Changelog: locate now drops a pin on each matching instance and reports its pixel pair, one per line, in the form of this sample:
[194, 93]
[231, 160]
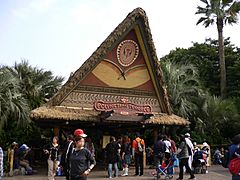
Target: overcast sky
[59, 35]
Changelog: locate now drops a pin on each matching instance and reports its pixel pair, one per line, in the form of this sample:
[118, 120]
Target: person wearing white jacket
[191, 148]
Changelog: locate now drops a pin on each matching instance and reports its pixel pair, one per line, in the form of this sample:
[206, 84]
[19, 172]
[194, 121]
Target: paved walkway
[215, 173]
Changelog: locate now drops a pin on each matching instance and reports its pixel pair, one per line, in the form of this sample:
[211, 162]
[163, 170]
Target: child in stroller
[166, 169]
[199, 163]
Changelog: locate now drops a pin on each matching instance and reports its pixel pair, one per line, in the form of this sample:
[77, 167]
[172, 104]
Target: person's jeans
[115, 169]
[184, 162]
[138, 163]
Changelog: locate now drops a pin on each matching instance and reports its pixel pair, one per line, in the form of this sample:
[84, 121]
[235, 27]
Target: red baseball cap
[79, 132]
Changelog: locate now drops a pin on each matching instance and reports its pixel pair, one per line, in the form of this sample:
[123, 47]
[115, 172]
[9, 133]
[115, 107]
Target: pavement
[216, 172]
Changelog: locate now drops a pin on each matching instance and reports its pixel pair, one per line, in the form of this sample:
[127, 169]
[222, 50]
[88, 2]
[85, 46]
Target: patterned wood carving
[115, 90]
[87, 99]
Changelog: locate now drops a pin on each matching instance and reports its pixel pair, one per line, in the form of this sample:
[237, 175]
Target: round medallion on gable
[127, 52]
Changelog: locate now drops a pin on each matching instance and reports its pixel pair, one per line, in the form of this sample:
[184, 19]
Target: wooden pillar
[144, 160]
[155, 134]
[56, 131]
[10, 161]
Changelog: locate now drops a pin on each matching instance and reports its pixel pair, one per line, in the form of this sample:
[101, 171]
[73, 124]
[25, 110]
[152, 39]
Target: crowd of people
[77, 157]
[120, 153]
[21, 159]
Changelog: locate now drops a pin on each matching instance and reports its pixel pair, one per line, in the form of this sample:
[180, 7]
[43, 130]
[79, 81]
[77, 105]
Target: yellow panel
[112, 76]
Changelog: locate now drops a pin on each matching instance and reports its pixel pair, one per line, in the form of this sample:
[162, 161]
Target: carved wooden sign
[123, 107]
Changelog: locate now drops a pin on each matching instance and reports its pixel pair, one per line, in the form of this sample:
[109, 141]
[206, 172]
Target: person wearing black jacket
[68, 148]
[52, 150]
[159, 150]
[112, 151]
[81, 161]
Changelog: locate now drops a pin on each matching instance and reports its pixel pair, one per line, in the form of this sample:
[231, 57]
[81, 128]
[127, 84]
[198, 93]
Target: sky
[59, 35]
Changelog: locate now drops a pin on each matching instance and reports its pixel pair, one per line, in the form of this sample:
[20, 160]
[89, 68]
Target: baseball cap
[187, 135]
[79, 132]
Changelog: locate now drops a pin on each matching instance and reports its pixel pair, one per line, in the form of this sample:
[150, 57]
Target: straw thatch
[64, 113]
[165, 119]
[80, 114]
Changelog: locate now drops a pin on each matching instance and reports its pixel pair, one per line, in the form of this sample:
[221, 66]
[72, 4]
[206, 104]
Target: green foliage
[12, 104]
[183, 85]
[23, 88]
[212, 119]
[204, 56]
[219, 119]
[37, 84]
[222, 12]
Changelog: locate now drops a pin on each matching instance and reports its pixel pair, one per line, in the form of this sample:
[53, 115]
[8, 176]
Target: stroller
[199, 163]
[166, 169]
[217, 157]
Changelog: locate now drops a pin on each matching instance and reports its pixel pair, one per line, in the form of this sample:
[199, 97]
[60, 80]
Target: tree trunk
[221, 57]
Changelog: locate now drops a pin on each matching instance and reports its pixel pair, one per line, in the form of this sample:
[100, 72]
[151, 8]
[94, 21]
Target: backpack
[139, 146]
[112, 149]
[234, 166]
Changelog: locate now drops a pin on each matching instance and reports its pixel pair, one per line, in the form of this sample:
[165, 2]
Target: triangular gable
[145, 68]
[123, 67]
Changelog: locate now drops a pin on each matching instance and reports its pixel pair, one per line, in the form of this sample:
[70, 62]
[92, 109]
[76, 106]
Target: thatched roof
[136, 17]
[64, 113]
[91, 115]
[165, 119]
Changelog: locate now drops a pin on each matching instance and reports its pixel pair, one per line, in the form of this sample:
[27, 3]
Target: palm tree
[220, 118]
[12, 103]
[37, 84]
[183, 87]
[221, 12]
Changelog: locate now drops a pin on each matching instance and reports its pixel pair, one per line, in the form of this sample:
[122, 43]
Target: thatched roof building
[121, 82]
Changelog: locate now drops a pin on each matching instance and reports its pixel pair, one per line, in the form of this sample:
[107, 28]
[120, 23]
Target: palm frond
[231, 20]
[205, 1]
[182, 85]
[201, 10]
[201, 20]
[13, 105]
[208, 22]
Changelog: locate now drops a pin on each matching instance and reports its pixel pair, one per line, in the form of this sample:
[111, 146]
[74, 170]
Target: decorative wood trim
[87, 100]
[117, 91]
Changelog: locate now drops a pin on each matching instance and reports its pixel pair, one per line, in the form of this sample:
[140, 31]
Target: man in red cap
[79, 132]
